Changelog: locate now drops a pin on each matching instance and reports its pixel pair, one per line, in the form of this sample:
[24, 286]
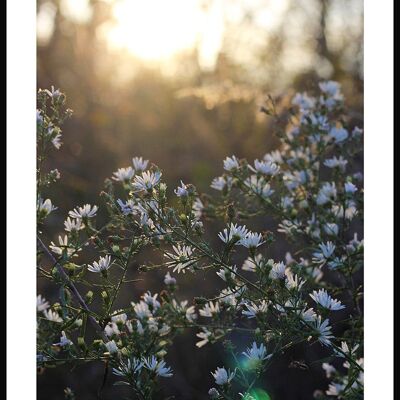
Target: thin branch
[74, 291]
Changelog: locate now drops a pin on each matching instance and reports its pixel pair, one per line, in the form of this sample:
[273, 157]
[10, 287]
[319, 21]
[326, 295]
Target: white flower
[181, 191]
[86, 211]
[52, 316]
[286, 202]
[56, 141]
[274, 156]
[204, 336]
[293, 281]
[317, 120]
[351, 211]
[198, 208]
[210, 309]
[278, 271]
[235, 233]
[73, 225]
[253, 309]
[355, 244]
[335, 389]
[162, 370]
[64, 341]
[228, 296]
[258, 185]
[219, 183]
[296, 178]
[181, 258]
[188, 312]
[323, 330]
[331, 229]
[169, 280]
[103, 264]
[151, 300]
[54, 93]
[213, 393]
[336, 262]
[119, 318]
[222, 377]
[252, 240]
[325, 300]
[147, 181]
[128, 207]
[250, 264]
[129, 326]
[338, 134]
[336, 163]
[346, 350]
[331, 88]
[152, 324]
[164, 330]
[46, 207]
[139, 164]
[39, 117]
[329, 369]
[256, 355]
[350, 187]
[158, 367]
[326, 193]
[142, 310]
[123, 174]
[139, 328]
[265, 167]
[308, 315]
[112, 329]
[111, 347]
[231, 163]
[63, 246]
[131, 367]
[303, 101]
[326, 251]
[225, 274]
[41, 303]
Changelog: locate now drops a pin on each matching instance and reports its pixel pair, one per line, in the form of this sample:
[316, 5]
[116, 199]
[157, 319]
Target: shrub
[317, 206]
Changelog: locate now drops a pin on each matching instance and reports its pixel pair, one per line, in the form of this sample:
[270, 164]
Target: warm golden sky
[156, 30]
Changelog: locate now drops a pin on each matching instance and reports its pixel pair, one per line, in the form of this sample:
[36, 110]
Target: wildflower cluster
[308, 186]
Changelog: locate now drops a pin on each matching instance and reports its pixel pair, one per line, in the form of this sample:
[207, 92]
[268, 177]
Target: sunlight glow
[156, 30]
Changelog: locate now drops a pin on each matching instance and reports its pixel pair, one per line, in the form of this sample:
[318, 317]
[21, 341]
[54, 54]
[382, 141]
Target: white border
[378, 67]
[21, 274]
[21, 202]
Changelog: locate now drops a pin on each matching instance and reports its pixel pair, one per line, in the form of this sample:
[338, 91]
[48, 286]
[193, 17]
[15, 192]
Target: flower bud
[105, 297]
[125, 352]
[81, 343]
[79, 322]
[97, 343]
[89, 297]
[161, 353]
